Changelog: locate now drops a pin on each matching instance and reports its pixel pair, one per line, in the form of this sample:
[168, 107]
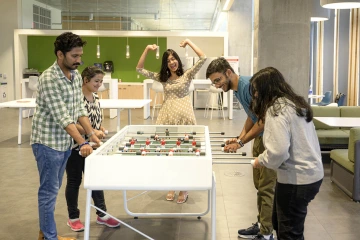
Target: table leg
[118, 120]
[129, 116]
[87, 214]
[231, 95]
[20, 124]
[213, 208]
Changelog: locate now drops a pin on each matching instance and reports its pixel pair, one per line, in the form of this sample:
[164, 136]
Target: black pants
[290, 209]
[74, 170]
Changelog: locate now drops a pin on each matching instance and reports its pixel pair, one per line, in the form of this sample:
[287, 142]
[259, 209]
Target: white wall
[27, 14]
[9, 18]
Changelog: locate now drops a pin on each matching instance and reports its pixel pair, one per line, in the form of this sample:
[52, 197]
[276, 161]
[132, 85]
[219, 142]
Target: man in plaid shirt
[59, 105]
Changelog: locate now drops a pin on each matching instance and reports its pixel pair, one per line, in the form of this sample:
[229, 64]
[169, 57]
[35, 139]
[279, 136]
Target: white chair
[33, 86]
[214, 101]
[158, 88]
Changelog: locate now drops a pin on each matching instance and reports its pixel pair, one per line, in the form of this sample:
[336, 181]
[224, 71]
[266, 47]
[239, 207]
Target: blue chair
[341, 101]
[326, 100]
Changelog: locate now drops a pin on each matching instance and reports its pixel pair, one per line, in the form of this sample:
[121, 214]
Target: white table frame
[112, 86]
[340, 121]
[118, 104]
[21, 104]
[198, 84]
[123, 173]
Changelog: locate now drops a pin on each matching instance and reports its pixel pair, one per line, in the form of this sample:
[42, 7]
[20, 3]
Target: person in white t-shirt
[291, 148]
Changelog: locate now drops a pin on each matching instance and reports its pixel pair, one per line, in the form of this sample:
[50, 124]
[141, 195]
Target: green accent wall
[41, 54]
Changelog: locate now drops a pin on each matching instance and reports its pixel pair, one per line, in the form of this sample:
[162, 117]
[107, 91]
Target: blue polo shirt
[244, 96]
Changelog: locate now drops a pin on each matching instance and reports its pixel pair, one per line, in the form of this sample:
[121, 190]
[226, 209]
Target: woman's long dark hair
[165, 71]
[270, 85]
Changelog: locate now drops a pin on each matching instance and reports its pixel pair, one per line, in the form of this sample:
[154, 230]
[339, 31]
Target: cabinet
[130, 91]
[135, 91]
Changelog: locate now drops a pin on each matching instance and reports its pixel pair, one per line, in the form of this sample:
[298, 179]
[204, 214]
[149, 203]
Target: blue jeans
[290, 209]
[51, 166]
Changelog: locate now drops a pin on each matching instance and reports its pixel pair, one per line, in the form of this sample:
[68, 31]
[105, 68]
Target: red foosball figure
[178, 143]
[143, 153]
[171, 152]
[132, 142]
[193, 143]
[147, 143]
[163, 142]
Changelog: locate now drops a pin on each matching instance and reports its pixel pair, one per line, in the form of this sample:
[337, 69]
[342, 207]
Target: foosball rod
[165, 138]
[159, 153]
[227, 154]
[193, 133]
[162, 149]
[167, 144]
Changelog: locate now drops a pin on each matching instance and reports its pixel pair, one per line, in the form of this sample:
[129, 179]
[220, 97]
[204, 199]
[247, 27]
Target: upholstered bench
[345, 166]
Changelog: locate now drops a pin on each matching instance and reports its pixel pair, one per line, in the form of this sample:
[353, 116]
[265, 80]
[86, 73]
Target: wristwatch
[240, 143]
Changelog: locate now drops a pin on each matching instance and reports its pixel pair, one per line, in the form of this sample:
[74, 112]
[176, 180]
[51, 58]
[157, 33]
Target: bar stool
[214, 101]
[33, 85]
[158, 88]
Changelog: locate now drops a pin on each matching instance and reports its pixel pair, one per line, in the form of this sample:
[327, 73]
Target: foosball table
[153, 157]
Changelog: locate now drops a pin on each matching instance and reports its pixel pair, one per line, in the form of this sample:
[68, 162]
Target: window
[41, 18]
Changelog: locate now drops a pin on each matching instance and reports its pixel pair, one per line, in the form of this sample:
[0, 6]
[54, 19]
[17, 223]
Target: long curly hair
[271, 86]
[165, 71]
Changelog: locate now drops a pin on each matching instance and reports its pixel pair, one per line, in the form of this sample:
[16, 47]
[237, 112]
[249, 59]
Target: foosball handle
[252, 162]
[91, 144]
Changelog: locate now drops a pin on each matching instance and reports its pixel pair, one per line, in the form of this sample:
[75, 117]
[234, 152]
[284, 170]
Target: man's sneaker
[250, 232]
[261, 237]
[75, 225]
[108, 221]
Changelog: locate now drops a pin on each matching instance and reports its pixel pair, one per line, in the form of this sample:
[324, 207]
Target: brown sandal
[182, 197]
[170, 196]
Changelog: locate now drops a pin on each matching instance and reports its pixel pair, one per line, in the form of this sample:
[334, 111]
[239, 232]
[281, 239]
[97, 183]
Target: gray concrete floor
[332, 215]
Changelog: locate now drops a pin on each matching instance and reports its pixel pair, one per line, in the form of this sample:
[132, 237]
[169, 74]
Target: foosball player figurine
[193, 143]
[147, 143]
[163, 142]
[197, 153]
[190, 150]
[157, 149]
[167, 132]
[171, 152]
[126, 149]
[186, 138]
[132, 142]
[143, 152]
[178, 143]
[156, 137]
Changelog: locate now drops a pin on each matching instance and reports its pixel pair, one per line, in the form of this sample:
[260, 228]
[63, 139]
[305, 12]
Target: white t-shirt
[291, 147]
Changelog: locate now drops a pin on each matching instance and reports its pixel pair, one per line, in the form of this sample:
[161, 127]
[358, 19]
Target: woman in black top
[92, 80]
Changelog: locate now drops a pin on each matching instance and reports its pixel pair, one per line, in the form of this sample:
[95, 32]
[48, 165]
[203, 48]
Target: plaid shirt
[59, 102]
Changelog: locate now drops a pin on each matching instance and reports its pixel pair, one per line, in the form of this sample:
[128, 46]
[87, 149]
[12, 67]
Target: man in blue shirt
[222, 76]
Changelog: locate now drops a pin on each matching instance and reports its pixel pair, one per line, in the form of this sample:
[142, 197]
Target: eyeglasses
[216, 81]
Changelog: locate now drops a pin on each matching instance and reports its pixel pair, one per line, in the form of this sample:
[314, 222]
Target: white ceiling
[172, 14]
